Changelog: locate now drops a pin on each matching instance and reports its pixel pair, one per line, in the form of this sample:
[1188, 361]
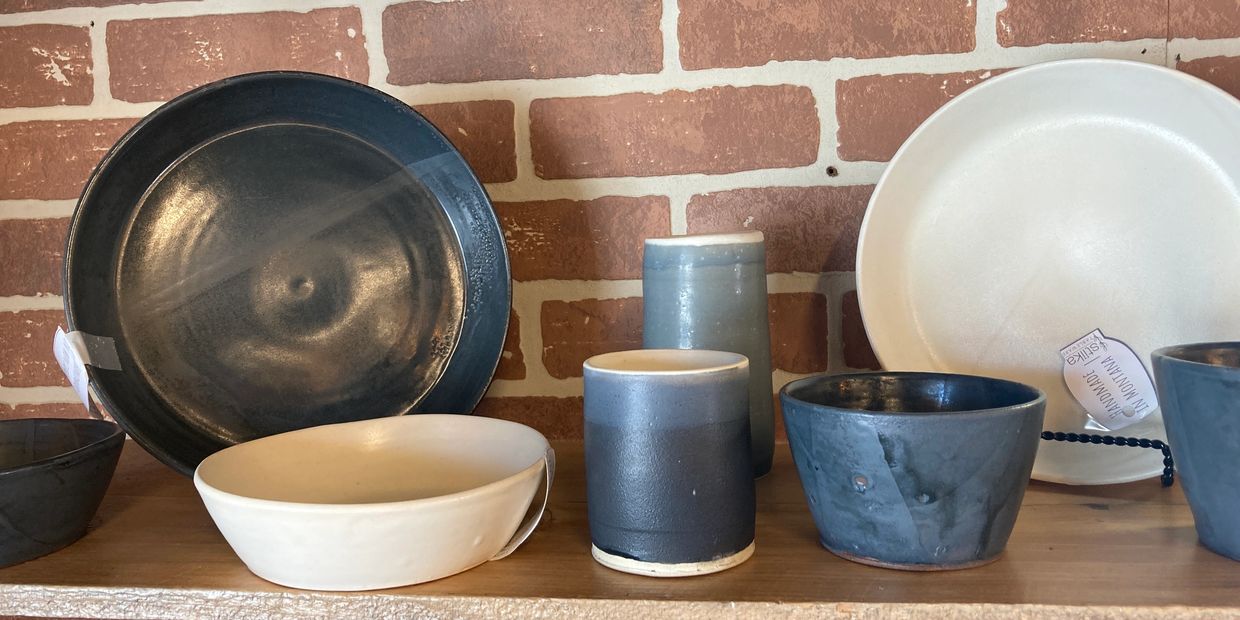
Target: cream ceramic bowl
[378, 503]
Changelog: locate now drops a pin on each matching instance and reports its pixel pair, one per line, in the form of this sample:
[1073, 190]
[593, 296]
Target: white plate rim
[984, 86]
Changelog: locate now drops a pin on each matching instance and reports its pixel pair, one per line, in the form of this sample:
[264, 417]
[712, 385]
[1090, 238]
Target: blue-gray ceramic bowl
[1199, 393]
[916, 471]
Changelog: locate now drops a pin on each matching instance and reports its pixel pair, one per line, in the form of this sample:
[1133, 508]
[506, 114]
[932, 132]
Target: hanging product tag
[1107, 378]
[74, 350]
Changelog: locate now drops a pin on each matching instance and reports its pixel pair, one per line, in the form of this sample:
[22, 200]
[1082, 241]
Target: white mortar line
[537, 291]
[524, 149]
[669, 26]
[985, 35]
[35, 209]
[851, 173]
[372, 30]
[37, 395]
[1193, 49]
[101, 72]
[18, 303]
[678, 202]
[83, 15]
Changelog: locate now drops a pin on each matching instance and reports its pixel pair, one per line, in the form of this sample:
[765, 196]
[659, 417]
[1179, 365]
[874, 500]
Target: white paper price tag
[1109, 381]
[71, 355]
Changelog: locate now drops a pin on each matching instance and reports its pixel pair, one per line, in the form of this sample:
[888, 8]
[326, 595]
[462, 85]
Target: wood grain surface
[1123, 550]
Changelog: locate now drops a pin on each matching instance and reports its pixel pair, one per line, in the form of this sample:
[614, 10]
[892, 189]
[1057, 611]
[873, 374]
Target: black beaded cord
[1168, 475]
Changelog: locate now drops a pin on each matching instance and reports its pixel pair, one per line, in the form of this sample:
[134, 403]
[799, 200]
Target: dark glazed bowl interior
[53, 475]
[1223, 354]
[911, 393]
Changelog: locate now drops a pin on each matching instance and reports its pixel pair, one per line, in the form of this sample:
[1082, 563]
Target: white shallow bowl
[378, 503]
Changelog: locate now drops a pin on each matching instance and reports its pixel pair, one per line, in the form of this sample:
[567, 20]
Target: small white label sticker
[1107, 378]
[72, 363]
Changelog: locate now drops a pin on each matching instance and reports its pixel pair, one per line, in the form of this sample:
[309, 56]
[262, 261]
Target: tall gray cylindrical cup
[670, 489]
[1199, 393]
[709, 292]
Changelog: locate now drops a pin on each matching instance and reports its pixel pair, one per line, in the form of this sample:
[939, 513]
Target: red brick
[798, 323]
[738, 33]
[555, 418]
[878, 112]
[157, 59]
[1035, 22]
[31, 255]
[512, 360]
[573, 331]
[22, 6]
[43, 410]
[45, 65]
[857, 351]
[1204, 19]
[26, 358]
[484, 133]
[712, 131]
[475, 41]
[1222, 71]
[51, 160]
[599, 239]
[809, 229]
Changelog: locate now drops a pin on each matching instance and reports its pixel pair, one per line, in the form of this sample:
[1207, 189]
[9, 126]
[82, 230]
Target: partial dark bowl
[915, 471]
[53, 474]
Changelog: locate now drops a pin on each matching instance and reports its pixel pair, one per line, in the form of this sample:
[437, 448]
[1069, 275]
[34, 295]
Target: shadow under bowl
[910, 470]
[53, 475]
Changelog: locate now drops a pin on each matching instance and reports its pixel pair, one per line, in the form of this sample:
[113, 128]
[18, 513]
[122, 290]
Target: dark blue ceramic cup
[669, 479]
[916, 471]
[1199, 393]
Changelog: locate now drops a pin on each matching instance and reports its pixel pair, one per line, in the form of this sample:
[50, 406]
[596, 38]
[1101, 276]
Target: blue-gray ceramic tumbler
[915, 471]
[1199, 393]
[709, 292]
[669, 483]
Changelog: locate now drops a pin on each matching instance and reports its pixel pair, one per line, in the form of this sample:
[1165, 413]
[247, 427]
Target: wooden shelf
[1124, 550]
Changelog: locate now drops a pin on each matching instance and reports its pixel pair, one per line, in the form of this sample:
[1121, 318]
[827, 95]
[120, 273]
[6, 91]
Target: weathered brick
[798, 324]
[1222, 71]
[31, 255]
[484, 133]
[573, 331]
[857, 350]
[22, 6]
[1204, 19]
[1035, 22]
[157, 59]
[26, 358]
[878, 112]
[520, 39]
[43, 410]
[809, 229]
[599, 239]
[512, 360]
[555, 418]
[738, 33]
[712, 131]
[45, 65]
[51, 160]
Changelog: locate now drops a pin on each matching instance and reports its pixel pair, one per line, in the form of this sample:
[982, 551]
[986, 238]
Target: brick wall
[594, 124]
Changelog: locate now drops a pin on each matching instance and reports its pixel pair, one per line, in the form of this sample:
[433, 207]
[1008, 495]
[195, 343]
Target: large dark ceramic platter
[283, 250]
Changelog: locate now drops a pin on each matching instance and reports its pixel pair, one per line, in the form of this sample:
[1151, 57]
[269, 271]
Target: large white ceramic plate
[1048, 202]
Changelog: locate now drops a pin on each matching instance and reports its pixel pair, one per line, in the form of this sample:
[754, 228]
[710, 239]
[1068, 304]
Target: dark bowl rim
[1039, 398]
[98, 444]
[1172, 353]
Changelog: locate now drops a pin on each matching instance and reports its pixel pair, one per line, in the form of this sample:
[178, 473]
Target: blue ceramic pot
[668, 478]
[917, 471]
[1199, 393]
[709, 292]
